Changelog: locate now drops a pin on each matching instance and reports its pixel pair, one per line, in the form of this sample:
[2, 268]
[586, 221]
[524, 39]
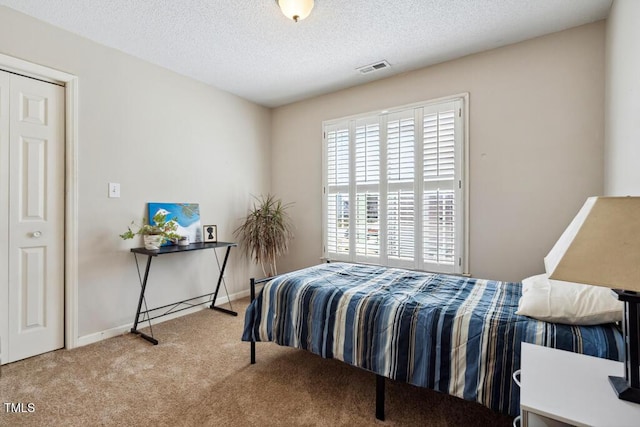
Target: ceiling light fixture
[296, 9]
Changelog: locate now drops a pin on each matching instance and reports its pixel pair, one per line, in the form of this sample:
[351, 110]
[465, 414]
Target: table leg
[380, 397]
[135, 330]
[215, 295]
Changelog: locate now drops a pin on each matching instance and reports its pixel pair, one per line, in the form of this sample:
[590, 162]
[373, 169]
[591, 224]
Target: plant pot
[152, 242]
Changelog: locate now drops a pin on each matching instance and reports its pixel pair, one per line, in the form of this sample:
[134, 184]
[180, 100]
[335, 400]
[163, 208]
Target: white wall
[536, 145]
[163, 137]
[622, 118]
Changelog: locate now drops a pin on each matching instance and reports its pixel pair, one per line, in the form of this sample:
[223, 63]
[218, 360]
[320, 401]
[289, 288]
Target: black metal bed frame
[380, 379]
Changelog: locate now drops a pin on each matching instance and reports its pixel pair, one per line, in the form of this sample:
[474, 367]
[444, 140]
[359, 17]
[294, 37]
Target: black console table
[154, 313]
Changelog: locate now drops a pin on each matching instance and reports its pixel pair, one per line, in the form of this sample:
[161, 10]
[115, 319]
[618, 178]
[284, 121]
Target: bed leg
[253, 343]
[380, 397]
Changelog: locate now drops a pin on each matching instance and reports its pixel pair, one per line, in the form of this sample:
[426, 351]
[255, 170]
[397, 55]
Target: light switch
[114, 190]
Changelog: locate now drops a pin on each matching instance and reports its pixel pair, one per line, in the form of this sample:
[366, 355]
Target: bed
[452, 334]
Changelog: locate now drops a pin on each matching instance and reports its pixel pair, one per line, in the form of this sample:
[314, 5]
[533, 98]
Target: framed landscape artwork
[187, 215]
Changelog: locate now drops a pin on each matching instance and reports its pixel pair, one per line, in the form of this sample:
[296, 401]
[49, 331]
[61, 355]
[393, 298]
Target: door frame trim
[70, 83]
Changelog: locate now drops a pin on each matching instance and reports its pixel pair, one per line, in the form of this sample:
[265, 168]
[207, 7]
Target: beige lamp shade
[296, 9]
[601, 246]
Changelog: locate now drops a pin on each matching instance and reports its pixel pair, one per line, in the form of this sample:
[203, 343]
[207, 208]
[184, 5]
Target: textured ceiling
[247, 47]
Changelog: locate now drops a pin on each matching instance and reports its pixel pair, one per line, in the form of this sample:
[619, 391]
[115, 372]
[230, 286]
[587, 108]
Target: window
[394, 187]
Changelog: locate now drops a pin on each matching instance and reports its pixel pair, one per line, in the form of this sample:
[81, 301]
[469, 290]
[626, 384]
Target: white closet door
[4, 215]
[36, 218]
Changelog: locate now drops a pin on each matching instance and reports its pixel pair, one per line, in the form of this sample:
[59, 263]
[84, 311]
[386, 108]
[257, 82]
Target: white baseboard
[124, 329]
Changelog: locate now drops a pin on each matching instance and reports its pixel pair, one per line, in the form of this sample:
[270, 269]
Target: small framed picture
[210, 233]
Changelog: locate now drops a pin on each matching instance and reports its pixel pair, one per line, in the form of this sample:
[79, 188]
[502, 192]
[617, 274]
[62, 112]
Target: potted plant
[154, 235]
[265, 233]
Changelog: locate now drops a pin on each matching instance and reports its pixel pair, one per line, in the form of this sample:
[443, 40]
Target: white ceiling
[247, 47]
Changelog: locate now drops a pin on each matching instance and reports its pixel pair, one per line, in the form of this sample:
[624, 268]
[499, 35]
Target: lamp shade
[601, 246]
[296, 9]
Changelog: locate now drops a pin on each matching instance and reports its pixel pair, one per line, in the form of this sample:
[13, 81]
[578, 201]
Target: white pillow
[570, 303]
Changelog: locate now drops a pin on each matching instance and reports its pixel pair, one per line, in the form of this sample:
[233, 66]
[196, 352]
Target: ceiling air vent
[366, 69]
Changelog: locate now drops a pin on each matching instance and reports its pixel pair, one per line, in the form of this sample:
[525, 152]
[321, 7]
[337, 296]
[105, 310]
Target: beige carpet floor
[199, 375]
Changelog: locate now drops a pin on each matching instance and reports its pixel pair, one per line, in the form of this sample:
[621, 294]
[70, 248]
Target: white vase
[152, 242]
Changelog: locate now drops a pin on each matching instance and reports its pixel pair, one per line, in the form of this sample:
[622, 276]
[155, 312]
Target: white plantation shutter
[402, 171]
[439, 227]
[367, 153]
[439, 219]
[401, 132]
[401, 225]
[400, 148]
[367, 197]
[337, 189]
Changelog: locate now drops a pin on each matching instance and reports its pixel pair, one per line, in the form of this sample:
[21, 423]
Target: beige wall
[163, 137]
[536, 145]
[622, 118]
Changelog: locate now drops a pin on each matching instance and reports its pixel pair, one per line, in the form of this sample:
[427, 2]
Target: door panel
[32, 289]
[36, 218]
[33, 178]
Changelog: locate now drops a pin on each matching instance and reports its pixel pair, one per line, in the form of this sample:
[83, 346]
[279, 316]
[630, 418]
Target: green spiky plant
[266, 232]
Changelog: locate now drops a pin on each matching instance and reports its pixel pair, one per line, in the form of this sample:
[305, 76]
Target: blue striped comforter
[456, 335]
